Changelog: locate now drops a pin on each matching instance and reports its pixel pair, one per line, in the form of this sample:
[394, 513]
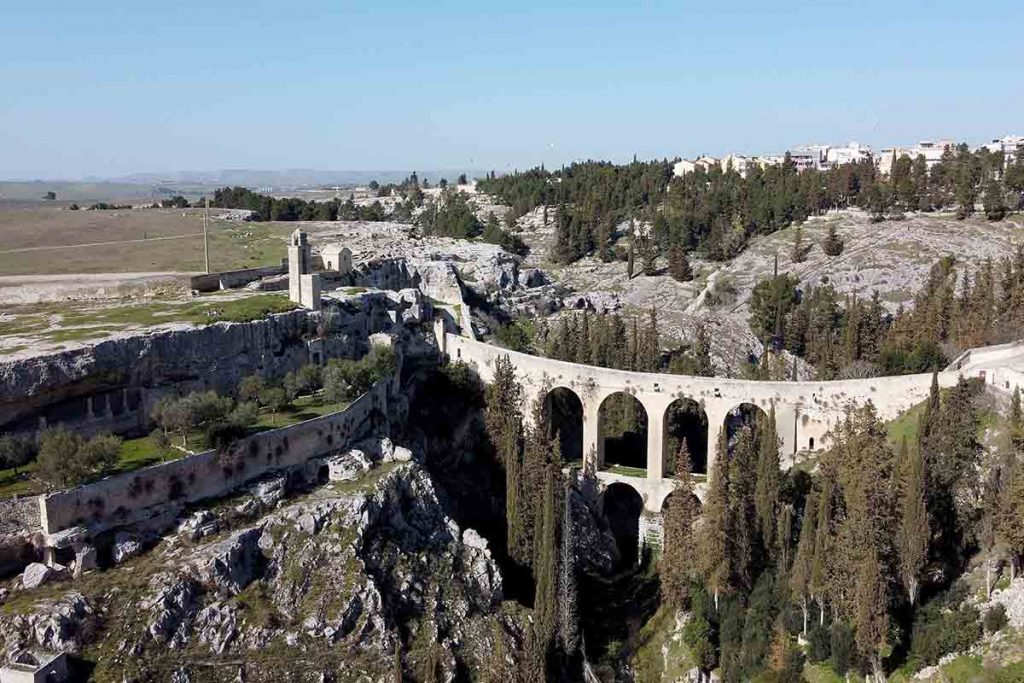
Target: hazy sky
[107, 88]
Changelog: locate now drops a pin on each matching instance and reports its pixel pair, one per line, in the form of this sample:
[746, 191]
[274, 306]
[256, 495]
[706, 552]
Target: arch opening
[622, 428]
[745, 415]
[563, 417]
[622, 506]
[686, 422]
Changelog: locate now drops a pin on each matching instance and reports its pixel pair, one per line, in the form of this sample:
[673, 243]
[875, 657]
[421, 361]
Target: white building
[931, 150]
[738, 163]
[682, 167]
[850, 153]
[1009, 145]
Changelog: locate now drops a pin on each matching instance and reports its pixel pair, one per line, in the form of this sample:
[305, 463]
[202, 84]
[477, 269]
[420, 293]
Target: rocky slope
[326, 586]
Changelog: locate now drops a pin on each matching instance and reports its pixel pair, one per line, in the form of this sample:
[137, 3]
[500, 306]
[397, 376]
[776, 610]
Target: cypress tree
[713, 540]
[766, 499]
[677, 555]
[800, 576]
[744, 534]
[568, 615]
[1010, 521]
[871, 617]
[799, 251]
[546, 562]
[913, 533]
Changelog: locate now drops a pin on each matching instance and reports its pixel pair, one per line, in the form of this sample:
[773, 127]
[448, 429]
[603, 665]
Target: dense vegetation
[848, 338]
[717, 211]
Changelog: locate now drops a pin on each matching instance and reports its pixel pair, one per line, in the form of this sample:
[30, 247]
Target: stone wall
[230, 279]
[160, 490]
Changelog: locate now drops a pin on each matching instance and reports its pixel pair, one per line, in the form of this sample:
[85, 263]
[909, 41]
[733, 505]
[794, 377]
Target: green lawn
[625, 470]
[304, 408]
[135, 453]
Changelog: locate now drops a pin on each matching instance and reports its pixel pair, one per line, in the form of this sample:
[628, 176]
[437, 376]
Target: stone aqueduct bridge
[805, 412]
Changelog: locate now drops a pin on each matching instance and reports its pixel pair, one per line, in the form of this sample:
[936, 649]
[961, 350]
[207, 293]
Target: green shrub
[995, 618]
[843, 648]
[820, 643]
[943, 625]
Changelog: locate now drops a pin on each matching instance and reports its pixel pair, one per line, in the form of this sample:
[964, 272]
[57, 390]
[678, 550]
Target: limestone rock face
[335, 570]
[62, 625]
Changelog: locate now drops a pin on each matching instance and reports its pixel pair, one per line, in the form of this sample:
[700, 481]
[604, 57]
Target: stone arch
[563, 417]
[622, 428]
[621, 507]
[685, 419]
[744, 414]
[676, 495]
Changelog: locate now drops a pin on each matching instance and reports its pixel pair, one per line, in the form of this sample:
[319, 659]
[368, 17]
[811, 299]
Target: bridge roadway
[805, 412]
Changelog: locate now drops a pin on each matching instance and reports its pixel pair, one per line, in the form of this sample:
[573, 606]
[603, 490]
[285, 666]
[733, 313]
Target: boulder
[200, 525]
[35, 575]
[348, 466]
[85, 560]
[126, 546]
[270, 492]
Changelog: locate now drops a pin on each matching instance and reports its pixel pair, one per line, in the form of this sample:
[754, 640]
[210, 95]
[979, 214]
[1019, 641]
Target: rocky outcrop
[351, 567]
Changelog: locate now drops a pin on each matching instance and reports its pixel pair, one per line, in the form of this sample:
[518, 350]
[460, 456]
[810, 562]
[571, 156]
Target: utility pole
[206, 236]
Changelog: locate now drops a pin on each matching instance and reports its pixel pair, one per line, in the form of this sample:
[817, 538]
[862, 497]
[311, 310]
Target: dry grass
[166, 240]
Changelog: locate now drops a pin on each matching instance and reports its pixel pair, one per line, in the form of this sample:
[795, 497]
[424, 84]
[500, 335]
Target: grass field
[123, 241]
[66, 322]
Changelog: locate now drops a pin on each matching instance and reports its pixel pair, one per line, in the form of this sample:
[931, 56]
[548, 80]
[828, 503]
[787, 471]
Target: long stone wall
[156, 491]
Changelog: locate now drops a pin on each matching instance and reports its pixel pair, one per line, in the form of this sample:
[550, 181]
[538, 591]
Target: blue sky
[108, 88]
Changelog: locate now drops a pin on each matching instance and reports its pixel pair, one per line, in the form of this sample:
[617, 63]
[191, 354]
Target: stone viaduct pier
[805, 412]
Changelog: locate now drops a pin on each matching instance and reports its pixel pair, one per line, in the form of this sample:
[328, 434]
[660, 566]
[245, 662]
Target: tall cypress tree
[546, 564]
[679, 550]
[912, 541]
[568, 614]
[713, 539]
[766, 499]
[744, 536]
[800, 576]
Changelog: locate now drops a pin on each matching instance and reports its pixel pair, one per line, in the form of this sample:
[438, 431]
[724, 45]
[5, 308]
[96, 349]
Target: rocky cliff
[327, 586]
[209, 357]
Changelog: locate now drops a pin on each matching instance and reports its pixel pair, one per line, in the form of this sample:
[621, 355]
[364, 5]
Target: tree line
[857, 558]
[849, 337]
[717, 210]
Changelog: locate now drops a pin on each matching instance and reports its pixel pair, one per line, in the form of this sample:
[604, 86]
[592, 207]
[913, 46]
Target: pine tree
[799, 250]
[678, 264]
[913, 534]
[677, 556]
[713, 540]
[766, 499]
[833, 243]
[702, 353]
[568, 615]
